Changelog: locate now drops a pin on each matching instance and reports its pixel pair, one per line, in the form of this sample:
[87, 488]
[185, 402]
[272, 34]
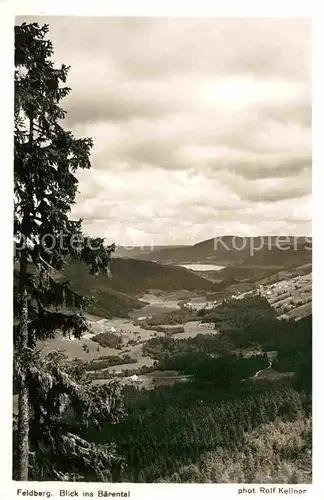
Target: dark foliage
[171, 427]
[46, 158]
[108, 339]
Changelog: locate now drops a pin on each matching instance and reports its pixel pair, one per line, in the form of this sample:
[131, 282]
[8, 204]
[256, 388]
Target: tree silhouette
[46, 158]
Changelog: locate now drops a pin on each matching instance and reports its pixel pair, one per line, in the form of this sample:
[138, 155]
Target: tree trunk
[23, 429]
[23, 395]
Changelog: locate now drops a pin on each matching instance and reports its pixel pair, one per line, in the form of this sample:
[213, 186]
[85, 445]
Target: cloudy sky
[202, 127]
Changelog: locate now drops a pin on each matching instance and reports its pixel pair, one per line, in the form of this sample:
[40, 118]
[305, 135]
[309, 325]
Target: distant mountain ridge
[136, 251]
[236, 250]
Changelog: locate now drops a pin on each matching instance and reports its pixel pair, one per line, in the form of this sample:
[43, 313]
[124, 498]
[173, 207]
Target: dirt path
[258, 372]
[263, 370]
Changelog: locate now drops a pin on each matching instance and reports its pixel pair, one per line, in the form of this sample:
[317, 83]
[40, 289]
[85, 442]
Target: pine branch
[46, 157]
[54, 392]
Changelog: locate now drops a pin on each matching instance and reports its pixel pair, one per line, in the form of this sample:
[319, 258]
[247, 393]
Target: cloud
[200, 125]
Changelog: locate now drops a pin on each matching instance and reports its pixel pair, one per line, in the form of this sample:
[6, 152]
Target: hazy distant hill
[284, 258]
[234, 250]
[139, 252]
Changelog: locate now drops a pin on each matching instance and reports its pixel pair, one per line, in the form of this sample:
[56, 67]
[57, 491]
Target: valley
[177, 314]
[198, 343]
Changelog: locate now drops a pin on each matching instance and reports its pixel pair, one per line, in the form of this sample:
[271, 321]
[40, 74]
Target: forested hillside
[172, 428]
[135, 277]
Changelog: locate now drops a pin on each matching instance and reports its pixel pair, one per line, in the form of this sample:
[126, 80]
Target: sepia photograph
[162, 255]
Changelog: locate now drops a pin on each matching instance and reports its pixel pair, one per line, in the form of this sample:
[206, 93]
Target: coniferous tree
[46, 157]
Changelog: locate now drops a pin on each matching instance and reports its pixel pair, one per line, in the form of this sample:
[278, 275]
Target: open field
[272, 374]
[143, 361]
[159, 302]
[300, 311]
[163, 300]
[291, 297]
[75, 348]
[152, 310]
[151, 380]
[129, 332]
[202, 267]
[193, 328]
